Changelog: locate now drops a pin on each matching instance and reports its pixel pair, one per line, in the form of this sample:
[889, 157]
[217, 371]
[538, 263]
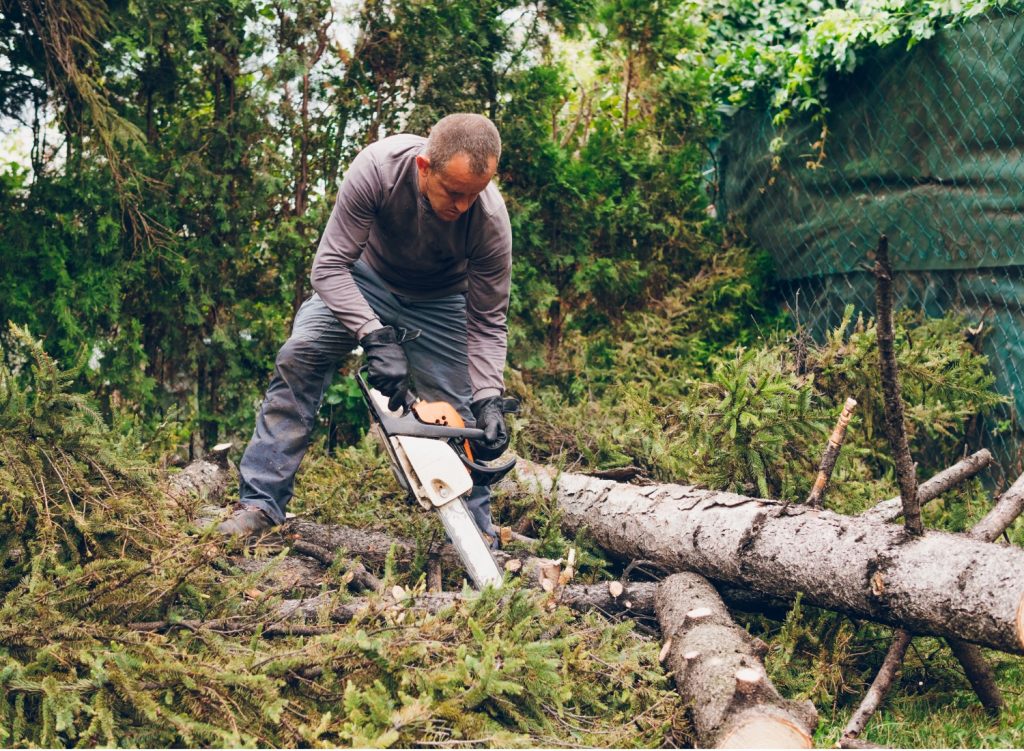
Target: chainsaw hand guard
[483, 474]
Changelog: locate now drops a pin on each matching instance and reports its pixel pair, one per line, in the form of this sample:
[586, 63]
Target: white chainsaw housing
[431, 470]
[434, 472]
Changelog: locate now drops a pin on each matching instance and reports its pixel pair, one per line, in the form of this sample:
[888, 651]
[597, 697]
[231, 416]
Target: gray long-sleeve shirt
[381, 215]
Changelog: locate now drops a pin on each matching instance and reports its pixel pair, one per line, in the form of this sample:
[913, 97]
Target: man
[419, 240]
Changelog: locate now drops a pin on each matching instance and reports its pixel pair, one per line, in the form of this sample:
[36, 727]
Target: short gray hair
[464, 133]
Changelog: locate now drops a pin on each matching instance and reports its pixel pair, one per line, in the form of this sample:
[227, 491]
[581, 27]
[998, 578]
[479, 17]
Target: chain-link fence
[927, 147]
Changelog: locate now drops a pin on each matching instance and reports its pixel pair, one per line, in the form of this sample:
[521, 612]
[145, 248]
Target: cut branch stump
[830, 455]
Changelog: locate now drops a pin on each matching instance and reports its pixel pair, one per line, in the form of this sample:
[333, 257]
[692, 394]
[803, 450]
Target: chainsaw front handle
[408, 424]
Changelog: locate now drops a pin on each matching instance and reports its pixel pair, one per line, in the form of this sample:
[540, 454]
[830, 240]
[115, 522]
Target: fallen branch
[976, 668]
[291, 617]
[892, 509]
[718, 669]
[354, 570]
[879, 687]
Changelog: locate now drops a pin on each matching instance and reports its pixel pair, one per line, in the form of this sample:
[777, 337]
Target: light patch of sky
[15, 143]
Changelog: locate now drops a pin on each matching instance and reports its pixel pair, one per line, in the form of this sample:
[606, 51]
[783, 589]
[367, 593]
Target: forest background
[156, 241]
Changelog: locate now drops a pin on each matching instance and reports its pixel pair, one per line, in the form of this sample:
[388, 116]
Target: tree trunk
[941, 584]
[718, 670]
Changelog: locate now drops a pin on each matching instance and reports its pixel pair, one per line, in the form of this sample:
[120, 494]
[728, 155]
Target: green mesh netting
[927, 147]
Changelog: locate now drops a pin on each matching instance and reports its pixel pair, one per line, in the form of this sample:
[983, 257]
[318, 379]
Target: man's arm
[489, 280]
[342, 243]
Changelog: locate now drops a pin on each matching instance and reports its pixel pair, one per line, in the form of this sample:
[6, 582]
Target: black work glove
[491, 419]
[388, 368]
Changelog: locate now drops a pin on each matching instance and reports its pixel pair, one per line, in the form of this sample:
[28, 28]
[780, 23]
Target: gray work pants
[438, 363]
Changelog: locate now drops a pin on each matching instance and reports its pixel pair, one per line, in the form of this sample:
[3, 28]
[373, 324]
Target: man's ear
[422, 163]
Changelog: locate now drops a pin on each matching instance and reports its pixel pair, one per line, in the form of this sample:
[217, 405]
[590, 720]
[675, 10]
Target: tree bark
[941, 584]
[206, 479]
[718, 669]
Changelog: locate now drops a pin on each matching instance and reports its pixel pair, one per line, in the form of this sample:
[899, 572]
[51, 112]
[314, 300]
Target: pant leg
[439, 364]
[303, 370]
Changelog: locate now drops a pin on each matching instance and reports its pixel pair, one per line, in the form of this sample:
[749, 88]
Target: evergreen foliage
[90, 548]
[755, 418]
[184, 161]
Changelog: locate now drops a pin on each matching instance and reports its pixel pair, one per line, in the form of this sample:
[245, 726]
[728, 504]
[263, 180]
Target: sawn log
[942, 584]
[718, 669]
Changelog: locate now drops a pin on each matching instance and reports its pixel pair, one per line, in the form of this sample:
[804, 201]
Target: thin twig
[895, 427]
[830, 455]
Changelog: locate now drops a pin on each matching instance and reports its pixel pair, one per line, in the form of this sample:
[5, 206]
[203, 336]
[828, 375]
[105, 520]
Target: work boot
[245, 520]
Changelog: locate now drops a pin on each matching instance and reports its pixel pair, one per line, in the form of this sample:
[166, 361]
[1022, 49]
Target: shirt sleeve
[489, 280]
[343, 241]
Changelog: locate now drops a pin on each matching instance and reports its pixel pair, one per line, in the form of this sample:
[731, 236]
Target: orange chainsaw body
[441, 413]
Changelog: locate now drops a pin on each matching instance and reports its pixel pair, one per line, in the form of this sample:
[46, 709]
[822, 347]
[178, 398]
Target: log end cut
[1020, 623]
[765, 731]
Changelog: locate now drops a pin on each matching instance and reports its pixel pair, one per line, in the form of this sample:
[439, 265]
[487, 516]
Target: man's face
[452, 190]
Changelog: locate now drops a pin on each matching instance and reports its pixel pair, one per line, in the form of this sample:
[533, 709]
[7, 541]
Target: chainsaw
[428, 445]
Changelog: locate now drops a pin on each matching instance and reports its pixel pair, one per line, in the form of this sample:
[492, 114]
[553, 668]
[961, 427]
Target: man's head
[458, 162]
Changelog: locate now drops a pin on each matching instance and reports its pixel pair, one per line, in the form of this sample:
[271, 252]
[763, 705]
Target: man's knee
[299, 357]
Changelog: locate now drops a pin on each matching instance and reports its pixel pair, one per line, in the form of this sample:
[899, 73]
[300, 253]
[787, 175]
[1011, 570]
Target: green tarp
[925, 146]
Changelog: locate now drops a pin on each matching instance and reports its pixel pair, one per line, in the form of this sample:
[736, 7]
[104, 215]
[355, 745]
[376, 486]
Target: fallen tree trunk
[290, 617]
[718, 670]
[941, 584]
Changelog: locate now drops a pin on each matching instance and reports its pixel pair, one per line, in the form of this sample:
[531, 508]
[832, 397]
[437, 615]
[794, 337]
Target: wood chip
[877, 584]
[665, 649]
